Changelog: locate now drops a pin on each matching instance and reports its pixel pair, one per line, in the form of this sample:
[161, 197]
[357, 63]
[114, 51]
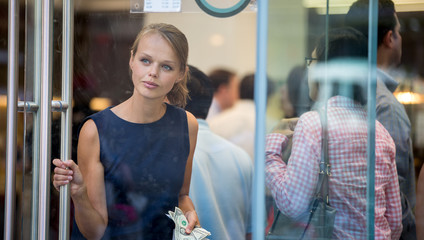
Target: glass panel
[102, 78]
[104, 33]
[314, 81]
[291, 164]
[294, 29]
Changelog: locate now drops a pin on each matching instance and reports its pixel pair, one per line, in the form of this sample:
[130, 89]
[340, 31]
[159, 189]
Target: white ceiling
[336, 6]
[342, 6]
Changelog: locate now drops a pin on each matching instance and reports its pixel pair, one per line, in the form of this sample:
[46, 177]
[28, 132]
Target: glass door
[68, 60]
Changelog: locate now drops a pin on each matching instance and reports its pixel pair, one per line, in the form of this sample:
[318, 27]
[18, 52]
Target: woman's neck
[140, 110]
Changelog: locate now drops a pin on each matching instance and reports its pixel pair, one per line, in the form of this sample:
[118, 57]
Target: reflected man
[389, 111]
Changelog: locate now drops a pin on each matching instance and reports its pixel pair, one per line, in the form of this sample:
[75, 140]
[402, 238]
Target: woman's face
[286, 105]
[313, 85]
[155, 67]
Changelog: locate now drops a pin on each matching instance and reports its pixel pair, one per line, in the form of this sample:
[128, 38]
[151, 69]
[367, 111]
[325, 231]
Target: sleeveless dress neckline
[161, 119]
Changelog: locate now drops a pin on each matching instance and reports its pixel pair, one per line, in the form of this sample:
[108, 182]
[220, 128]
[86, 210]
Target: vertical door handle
[66, 124]
[12, 100]
[45, 118]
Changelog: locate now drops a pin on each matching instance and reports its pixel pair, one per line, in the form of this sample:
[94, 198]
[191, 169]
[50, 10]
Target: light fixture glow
[217, 40]
[98, 104]
[409, 98]
[3, 101]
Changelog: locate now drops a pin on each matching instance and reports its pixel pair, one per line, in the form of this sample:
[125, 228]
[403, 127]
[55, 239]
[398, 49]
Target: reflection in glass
[337, 83]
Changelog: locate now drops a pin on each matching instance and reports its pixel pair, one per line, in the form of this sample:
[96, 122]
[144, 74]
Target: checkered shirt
[293, 185]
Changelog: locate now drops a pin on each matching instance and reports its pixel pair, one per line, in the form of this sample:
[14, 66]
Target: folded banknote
[181, 224]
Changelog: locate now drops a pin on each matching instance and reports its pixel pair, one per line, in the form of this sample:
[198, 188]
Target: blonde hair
[178, 41]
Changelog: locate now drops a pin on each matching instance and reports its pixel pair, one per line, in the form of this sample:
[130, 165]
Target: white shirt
[214, 109]
[237, 124]
[221, 183]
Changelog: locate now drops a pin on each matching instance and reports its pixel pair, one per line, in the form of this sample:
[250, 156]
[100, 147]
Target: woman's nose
[152, 74]
[153, 71]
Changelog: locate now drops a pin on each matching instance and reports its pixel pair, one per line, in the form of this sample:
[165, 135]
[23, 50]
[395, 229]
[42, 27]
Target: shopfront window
[271, 84]
[297, 65]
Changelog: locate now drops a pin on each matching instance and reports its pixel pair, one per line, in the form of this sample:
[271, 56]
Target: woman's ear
[131, 59]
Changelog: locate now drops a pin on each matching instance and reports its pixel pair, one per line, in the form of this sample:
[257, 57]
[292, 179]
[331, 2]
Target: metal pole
[66, 129]
[37, 120]
[372, 81]
[258, 214]
[45, 118]
[12, 99]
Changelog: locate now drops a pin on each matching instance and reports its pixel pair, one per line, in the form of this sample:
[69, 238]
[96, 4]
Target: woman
[134, 159]
[293, 184]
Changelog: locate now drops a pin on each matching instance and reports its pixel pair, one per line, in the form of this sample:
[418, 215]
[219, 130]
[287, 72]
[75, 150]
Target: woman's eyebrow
[143, 54]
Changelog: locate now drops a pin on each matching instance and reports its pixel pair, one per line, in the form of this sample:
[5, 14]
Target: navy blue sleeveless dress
[144, 167]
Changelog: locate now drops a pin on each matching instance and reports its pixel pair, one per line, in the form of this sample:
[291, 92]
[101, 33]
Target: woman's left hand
[192, 219]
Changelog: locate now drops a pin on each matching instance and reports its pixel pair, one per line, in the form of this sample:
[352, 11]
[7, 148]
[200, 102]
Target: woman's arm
[87, 183]
[293, 184]
[184, 201]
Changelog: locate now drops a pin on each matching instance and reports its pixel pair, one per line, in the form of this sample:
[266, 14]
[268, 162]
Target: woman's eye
[145, 60]
[167, 68]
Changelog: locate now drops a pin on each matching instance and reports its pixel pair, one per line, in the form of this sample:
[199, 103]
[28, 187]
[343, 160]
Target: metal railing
[41, 107]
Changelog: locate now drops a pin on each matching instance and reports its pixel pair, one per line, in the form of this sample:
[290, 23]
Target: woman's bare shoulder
[192, 122]
[88, 131]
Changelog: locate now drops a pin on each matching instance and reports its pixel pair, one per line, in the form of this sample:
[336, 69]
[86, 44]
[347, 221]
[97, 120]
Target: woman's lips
[150, 85]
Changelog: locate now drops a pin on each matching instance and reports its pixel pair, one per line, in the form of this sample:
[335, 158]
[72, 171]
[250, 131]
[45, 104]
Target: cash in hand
[181, 223]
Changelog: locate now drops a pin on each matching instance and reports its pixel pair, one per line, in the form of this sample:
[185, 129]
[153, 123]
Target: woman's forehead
[157, 41]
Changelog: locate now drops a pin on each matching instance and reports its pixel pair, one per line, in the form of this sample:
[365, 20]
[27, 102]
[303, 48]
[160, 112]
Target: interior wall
[215, 42]
[287, 36]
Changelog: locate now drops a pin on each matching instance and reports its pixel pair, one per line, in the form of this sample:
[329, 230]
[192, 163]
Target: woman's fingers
[62, 172]
[64, 164]
[58, 163]
[286, 126]
[192, 221]
[60, 182]
[292, 123]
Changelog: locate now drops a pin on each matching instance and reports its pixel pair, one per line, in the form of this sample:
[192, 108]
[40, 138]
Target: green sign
[222, 12]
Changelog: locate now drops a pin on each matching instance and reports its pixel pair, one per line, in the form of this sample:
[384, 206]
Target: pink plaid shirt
[293, 185]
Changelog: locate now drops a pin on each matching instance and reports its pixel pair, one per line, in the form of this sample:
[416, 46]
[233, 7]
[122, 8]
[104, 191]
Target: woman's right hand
[68, 172]
[286, 126]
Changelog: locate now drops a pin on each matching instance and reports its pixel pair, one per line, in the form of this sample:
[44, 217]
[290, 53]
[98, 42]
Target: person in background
[222, 172]
[294, 98]
[226, 90]
[135, 159]
[237, 124]
[294, 101]
[390, 112]
[293, 184]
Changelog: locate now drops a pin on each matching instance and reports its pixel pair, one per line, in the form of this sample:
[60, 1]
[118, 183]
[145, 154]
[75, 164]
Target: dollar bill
[181, 224]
